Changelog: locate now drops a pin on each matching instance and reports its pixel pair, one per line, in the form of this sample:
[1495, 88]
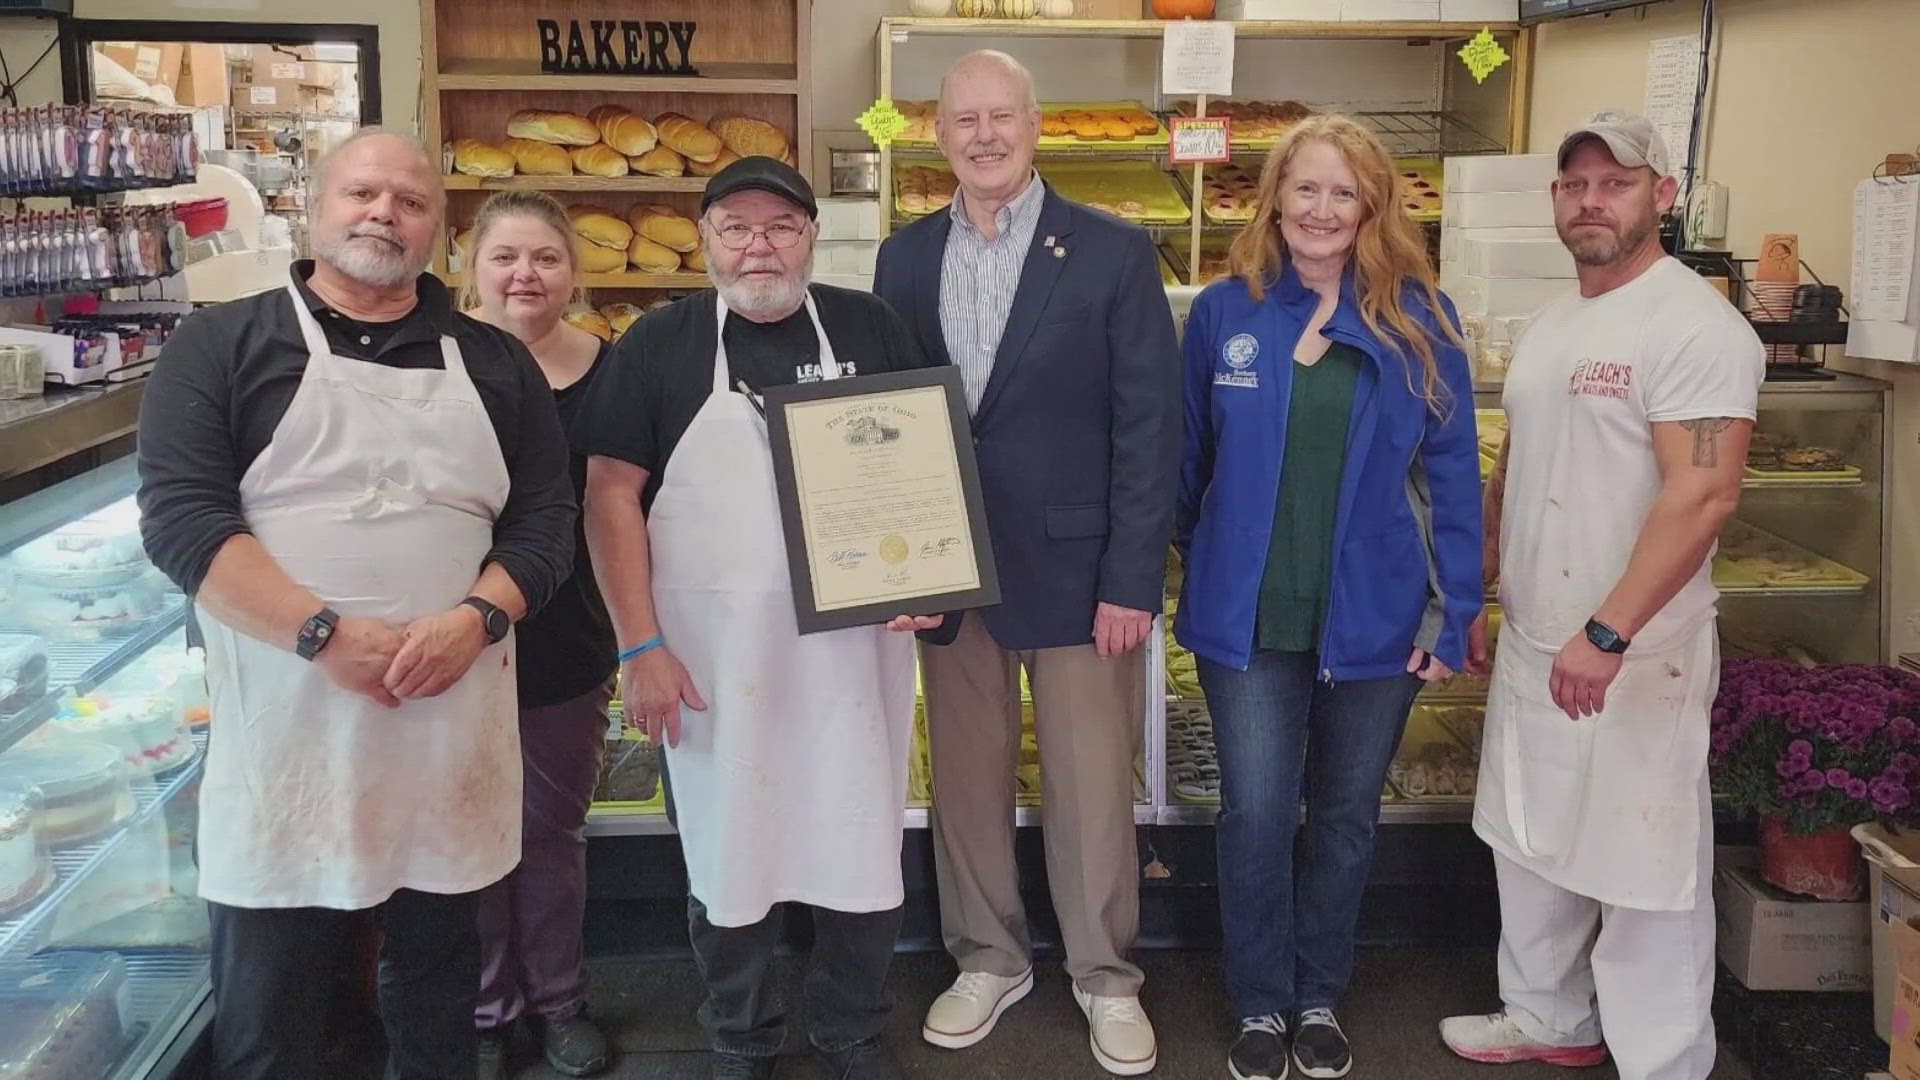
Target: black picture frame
[807, 615]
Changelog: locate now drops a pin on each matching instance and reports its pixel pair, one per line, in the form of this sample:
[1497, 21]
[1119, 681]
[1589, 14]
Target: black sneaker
[1260, 1053]
[1320, 1047]
[493, 1055]
[575, 1046]
[742, 1067]
[868, 1059]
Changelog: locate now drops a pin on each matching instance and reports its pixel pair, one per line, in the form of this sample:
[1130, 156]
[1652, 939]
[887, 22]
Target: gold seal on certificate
[880, 498]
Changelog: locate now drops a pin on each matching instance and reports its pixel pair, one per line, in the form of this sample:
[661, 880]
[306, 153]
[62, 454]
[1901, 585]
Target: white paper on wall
[1673, 74]
[1883, 306]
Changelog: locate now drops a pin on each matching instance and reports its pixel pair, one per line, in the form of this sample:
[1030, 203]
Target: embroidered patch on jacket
[1239, 353]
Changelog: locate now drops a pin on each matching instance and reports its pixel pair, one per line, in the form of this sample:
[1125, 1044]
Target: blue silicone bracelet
[643, 648]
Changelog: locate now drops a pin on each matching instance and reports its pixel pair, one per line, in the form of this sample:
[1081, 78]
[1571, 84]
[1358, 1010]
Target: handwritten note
[1885, 307]
[1199, 140]
[1673, 74]
[1196, 57]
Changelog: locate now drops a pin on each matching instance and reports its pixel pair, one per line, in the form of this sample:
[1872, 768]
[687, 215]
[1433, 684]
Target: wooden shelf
[633, 280]
[715, 78]
[1153, 28]
[461, 182]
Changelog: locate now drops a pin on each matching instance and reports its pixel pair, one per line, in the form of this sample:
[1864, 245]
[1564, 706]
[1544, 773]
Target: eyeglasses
[780, 234]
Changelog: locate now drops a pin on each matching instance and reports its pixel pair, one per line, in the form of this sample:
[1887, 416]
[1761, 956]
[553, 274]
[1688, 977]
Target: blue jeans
[1289, 911]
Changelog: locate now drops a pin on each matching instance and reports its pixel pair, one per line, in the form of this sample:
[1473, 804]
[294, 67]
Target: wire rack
[1424, 133]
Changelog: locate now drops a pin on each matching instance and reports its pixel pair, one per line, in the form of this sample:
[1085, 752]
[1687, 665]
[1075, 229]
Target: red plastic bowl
[202, 216]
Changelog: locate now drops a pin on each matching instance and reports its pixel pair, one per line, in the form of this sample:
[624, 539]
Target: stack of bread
[612, 142]
[921, 190]
[1229, 193]
[919, 116]
[653, 238]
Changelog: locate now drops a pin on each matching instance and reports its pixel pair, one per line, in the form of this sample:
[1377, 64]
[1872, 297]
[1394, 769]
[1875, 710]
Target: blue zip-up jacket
[1406, 539]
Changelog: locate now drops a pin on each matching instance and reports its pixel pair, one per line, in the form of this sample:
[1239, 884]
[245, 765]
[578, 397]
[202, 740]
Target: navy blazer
[1078, 430]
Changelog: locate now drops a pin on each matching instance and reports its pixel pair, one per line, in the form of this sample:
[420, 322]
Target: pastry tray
[1846, 475]
[1105, 184]
[1426, 744]
[923, 138]
[1731, 575]
[1421, 175]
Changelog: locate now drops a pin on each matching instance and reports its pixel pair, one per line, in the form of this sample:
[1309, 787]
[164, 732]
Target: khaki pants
[1088, 717]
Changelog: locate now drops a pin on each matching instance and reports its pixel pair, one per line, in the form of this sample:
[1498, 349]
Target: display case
[103, 943]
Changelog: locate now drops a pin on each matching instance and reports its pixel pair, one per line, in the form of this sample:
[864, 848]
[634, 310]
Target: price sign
[289, 70]
[263, 95]
[1199, 140]
[1196, 57]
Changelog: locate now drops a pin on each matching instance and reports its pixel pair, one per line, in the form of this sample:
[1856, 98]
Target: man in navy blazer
[1057, 319]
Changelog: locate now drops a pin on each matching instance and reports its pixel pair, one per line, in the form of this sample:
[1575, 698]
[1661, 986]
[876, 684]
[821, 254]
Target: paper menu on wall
[1196, 57]
[1883, 305]
[1673, 75]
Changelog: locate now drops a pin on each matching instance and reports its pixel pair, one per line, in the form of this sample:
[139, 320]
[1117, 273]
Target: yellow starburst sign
[882, 122]
[1483, 55]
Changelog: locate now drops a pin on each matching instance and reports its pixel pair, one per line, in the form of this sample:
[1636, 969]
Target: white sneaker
[1496, 1040]
[967, 1011]
[1121, 1037]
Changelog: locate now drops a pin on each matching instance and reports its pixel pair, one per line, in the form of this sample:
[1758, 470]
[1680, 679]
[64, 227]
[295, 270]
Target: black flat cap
[761, 174]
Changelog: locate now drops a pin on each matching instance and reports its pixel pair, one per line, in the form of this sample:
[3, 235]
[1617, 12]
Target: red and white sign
[1200, 140]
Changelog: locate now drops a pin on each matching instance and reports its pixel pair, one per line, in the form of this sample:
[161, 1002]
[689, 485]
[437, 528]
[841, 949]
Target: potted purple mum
[1812, 752]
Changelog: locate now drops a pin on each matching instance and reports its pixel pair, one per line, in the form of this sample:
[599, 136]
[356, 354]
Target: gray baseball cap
[1632, 140]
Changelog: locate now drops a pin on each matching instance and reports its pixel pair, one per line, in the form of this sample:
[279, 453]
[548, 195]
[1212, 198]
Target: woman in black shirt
[521, 279]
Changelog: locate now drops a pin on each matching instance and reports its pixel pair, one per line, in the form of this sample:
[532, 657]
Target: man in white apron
[786, 755]
[1629, 407]
[362, 490]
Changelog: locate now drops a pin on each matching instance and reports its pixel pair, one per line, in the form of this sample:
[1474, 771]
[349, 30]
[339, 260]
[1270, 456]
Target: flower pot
[1824, 865]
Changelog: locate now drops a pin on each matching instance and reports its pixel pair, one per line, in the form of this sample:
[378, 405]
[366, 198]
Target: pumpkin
[975, 9]
[1018, 9]
[1183, 9]
[1056, 9]
[930, 9]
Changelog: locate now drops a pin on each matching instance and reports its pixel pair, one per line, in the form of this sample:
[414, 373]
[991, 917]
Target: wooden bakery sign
[617, 46]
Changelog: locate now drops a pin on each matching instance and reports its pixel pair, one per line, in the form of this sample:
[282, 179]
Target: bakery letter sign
[617, 46]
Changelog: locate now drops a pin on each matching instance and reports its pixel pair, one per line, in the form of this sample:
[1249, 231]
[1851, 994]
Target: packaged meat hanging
[82, 248]
[87, 149]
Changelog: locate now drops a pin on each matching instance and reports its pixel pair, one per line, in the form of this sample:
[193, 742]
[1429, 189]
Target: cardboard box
[1390, 11]
[1905, 1059]
[203, 76]
[1480, 11]
[1518, 258]
[849, 218]
[1500, 172]
[1278, 10]
[1771, 940]
[157, 63]
[273, 82]
[1893, 893]
[1109, 9]
[1498, 209]
[1453, 241]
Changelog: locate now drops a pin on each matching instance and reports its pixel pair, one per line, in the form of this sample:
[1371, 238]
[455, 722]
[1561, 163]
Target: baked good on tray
[147, 729]
[23, 671]
[1812, 459]
[63, 1016]
[100, 549]
[83, 790]
[25, 872]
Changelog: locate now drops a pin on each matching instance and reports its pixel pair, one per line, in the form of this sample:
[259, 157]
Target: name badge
[1246, 380]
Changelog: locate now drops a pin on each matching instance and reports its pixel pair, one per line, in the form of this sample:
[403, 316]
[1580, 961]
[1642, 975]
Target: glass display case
[103, 712]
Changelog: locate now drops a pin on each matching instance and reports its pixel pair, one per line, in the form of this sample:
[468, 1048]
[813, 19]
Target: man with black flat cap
[787, 768]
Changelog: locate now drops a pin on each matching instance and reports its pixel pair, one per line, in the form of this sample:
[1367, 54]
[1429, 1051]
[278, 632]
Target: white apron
[378, 491]
[1608, 806]
[792, 785]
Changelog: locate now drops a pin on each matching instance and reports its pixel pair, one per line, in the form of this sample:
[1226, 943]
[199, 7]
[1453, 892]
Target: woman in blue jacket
[1329, 521]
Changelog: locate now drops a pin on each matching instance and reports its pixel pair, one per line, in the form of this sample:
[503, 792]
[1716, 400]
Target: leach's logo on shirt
[1601, 378]
[1239, 352]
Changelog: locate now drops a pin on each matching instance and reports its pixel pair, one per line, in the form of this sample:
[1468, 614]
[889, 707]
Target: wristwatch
[495, 620]
[1605, 638]
[317, 632]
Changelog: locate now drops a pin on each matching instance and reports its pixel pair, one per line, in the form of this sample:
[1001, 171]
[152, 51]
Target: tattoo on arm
[1706, 435]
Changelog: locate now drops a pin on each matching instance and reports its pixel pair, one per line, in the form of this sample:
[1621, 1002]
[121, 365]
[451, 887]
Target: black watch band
[491, 617]
[317, 632]
[1605, 638]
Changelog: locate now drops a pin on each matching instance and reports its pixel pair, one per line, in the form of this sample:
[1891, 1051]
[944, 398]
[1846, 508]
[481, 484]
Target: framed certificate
[880, 498]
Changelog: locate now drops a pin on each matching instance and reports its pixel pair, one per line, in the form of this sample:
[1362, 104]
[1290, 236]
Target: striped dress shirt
[978, 278]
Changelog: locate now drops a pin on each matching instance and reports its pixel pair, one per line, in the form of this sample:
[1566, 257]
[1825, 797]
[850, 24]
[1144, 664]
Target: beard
[757, 298]
[366, 256]
[1610, 245]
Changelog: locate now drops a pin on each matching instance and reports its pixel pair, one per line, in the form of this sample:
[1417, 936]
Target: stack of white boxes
[1418, 11]
[849, 242]
[1500, 258]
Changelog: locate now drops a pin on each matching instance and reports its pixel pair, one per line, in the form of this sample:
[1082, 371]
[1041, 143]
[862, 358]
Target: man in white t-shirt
[1629, 407]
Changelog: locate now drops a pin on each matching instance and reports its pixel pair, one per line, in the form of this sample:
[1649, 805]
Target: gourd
[1183, 9]
[1018, 9]
[930, 9]
[1056, 9]
[975, 9]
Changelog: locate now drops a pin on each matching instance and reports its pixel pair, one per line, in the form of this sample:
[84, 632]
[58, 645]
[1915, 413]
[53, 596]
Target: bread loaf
[651, 258]
[536, 158]
[625, 132]
[476, 158]
[600, 226]
[659, 161]
[711, 168]
[591, 258]
[663, 225]
[688, 137]
[564, 128]
[599, 160]
[462, 250]
[696, 260]
[749, 137]
[592, 322]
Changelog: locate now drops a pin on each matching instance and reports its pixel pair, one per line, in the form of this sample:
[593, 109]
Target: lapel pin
[1049, 240]
[1059, 253]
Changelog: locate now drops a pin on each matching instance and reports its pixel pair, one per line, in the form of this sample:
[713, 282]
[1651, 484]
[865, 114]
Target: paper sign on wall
[290, 70]
[1673, 75]
[263, 95]
[1196, 57]
[1199, 140]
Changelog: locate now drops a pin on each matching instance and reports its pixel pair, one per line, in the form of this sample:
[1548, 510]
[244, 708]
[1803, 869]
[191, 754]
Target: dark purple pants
[530, 919]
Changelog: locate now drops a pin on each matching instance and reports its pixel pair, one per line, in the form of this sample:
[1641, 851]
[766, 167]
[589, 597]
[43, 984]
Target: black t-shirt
[659, 374]
[566, 648]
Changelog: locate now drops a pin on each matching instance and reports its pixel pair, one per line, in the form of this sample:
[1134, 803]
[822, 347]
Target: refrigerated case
[103, 942]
